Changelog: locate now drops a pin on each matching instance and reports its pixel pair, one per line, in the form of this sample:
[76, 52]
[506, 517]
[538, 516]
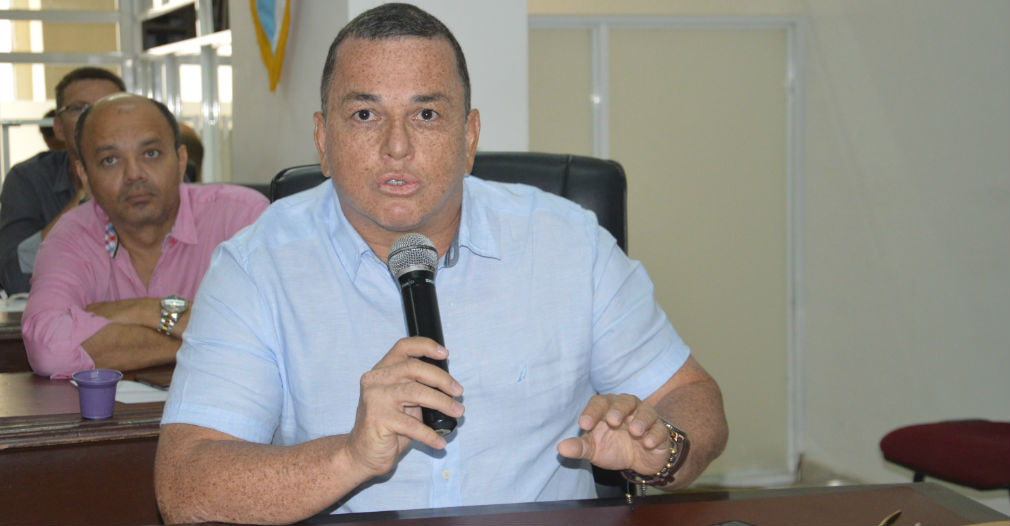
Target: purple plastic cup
[97, 392]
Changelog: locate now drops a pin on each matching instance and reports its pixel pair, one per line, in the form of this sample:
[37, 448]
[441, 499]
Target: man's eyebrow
[357, 96]
[98, 150]
[430, 97]
[153, 141]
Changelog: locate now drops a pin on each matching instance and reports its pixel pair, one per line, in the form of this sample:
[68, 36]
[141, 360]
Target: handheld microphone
[412, 261]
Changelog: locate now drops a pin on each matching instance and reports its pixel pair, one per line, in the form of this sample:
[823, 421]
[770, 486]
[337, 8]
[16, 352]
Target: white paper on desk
[130, 392]
[15, 303]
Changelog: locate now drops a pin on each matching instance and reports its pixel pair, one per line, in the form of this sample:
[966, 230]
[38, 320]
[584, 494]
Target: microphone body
[412, 261]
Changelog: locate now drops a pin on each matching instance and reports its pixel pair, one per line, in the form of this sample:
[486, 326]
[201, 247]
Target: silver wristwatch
[171, 308]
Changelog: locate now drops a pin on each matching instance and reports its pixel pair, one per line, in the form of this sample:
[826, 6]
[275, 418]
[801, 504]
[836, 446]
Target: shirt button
[446, 474]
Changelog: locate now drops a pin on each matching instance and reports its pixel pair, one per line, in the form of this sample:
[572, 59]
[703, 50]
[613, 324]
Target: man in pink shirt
[114, 278]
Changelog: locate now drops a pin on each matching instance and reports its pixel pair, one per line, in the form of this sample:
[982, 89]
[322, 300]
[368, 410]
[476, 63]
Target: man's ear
[319, 136]
[79, 176]
[58, 129]
[183, 155]
[472, 136]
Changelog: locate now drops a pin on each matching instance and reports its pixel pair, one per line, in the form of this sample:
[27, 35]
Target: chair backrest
[596, 184]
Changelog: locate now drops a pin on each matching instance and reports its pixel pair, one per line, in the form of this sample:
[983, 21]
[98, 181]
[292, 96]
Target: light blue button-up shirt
[539, 307]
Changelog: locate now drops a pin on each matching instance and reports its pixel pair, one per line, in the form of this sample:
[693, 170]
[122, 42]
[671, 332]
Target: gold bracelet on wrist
[679, 445]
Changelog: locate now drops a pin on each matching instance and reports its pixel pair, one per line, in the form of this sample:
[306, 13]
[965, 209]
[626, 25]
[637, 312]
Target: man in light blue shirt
[295, 389]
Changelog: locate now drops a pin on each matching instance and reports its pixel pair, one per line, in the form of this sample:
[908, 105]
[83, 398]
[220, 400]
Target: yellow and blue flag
[271, 18]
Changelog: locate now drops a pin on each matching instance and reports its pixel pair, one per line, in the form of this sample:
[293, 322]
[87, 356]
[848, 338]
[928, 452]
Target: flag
[271, 19]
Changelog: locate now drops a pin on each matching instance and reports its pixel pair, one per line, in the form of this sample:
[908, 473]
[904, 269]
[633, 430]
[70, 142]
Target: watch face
[174, 304]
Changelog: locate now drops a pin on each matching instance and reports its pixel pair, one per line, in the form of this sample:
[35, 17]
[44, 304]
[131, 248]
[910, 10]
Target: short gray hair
[393, 21]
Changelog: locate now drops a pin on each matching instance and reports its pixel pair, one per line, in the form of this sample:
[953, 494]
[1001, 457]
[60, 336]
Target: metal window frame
[153, 73]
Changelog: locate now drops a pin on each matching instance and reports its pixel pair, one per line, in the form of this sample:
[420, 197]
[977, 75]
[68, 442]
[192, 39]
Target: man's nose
[398, 143]
[133, 169]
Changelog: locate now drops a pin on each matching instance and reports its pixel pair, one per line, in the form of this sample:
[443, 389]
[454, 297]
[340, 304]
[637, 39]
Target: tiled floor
[809, 474]
[815, 475]
[812, 474]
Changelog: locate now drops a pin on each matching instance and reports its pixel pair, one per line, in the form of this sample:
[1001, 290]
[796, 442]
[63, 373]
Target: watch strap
[679, 446]
[168, 321]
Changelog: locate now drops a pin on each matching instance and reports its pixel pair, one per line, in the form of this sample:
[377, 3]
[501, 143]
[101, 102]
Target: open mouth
[400, 185]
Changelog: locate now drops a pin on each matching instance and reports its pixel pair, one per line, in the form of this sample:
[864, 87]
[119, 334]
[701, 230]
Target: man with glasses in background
[38, 191]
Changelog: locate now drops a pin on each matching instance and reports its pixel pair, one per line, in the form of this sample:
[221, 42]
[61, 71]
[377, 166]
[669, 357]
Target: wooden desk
[922, 502]
[12, 348]
[57, 468]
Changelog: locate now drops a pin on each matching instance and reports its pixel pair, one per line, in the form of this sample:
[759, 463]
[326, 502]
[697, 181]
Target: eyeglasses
[73, 109]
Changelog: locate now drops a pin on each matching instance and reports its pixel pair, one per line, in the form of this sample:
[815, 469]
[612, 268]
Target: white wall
[273, 130]
[905, 233]
[906, 226]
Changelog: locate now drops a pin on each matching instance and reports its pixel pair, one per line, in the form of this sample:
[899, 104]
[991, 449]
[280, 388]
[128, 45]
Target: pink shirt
[79, 264]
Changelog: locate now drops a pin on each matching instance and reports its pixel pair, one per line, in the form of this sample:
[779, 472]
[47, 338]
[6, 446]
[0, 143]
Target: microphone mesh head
[412, 252]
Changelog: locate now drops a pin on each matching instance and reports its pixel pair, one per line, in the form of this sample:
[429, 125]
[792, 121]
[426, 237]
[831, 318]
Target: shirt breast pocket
[524, 385]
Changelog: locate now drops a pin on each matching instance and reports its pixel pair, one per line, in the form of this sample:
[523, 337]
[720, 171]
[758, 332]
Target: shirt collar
[111, 240]
[183, 231]
[475, 232]
[350, 247]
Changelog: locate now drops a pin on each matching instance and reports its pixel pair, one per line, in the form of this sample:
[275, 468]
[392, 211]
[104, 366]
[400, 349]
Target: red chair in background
[972, 453]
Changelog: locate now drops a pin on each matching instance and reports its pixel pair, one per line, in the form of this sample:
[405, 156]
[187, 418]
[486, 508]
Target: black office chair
[596, 184]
